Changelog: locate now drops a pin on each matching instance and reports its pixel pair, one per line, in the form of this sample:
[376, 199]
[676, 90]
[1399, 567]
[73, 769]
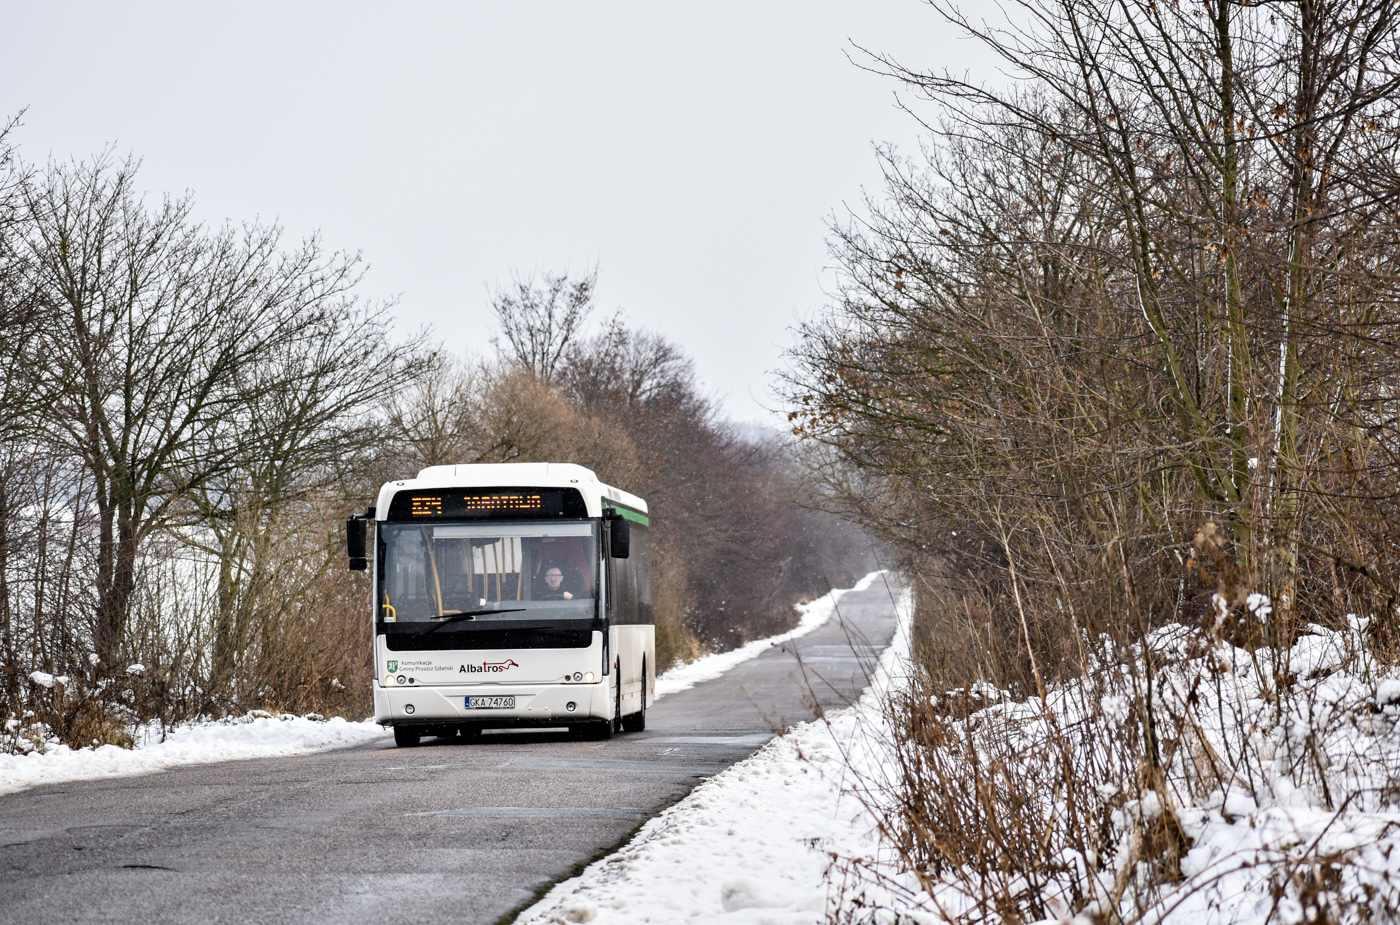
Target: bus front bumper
[535, 704]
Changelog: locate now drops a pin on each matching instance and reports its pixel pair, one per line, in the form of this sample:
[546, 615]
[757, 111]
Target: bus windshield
[498, 571]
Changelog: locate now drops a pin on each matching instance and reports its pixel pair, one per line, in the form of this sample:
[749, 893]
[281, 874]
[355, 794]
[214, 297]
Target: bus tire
[406, 737]
[637, 722]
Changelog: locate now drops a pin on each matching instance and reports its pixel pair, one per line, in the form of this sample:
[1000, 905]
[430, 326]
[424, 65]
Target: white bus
[508, 595]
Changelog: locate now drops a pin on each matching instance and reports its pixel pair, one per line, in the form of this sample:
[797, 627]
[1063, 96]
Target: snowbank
[1310, 829]
[1281, 768]
[252, 736]
[709, 667]
[749, 845]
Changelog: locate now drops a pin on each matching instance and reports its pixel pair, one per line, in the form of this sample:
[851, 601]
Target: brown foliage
[1095, 321]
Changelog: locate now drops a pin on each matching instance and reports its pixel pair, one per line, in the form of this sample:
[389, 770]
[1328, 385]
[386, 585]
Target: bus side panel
[636, 647]
[647, 643]
[631, 613]
[646, 613]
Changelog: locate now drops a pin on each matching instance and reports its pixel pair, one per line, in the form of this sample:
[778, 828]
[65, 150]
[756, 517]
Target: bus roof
[514, 475]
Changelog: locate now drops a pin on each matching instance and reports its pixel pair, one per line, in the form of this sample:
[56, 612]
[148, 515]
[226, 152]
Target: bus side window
[641, 555]
[622, 578]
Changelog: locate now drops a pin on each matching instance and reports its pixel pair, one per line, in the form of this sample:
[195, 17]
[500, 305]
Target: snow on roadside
[250, 736]
[1287, 796]
[709, 667]
[750, 845]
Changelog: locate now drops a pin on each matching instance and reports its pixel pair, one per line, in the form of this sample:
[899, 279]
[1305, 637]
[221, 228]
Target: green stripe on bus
[633, 516]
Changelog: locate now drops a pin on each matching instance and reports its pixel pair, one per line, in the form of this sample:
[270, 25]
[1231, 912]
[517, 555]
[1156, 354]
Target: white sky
[693, 152]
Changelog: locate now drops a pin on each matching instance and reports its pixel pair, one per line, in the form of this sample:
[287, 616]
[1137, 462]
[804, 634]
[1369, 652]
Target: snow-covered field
[749, 846]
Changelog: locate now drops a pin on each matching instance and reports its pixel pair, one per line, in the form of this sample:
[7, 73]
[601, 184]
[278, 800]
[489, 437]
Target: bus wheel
[637, 722]
[406, 737]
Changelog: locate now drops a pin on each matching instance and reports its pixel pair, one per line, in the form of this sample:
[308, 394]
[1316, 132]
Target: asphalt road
[446, 832]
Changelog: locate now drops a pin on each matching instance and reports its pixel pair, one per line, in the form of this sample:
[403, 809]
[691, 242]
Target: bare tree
[307, 403]
[622, 368]
[170, 347]
[732, 552]
[1148, 286]
[429, 423]
[20, 323]
[1246, 156]
[539, 319]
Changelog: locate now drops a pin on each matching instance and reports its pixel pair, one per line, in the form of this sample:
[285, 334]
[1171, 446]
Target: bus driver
[554, 586]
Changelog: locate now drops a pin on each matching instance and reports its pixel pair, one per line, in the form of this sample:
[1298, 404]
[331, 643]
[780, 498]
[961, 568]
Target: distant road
[447, 832]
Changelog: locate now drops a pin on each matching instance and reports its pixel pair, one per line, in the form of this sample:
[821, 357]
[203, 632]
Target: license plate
[490, 703]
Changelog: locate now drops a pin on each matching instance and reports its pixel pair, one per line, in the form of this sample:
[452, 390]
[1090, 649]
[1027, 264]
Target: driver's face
[553, 577]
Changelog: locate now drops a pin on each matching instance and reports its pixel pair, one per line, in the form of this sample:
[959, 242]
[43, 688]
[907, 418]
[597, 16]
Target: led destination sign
[431, 505]
[487, 503]
[532, 503]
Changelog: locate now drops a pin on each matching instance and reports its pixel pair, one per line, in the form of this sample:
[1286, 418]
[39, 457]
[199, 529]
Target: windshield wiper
[465, 615]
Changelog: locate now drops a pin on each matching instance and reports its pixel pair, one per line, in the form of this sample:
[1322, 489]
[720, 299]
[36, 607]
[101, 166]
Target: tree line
[188, 412]
[1124, 340]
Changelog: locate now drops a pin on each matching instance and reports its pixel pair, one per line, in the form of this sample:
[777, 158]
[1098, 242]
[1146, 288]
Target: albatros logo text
[489, 667]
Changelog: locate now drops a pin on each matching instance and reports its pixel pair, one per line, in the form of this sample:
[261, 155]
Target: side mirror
[355, 543]
[619, 536]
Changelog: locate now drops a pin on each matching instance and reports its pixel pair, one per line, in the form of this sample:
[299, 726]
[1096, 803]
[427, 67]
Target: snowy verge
[709, 667]
[750, 845]
[251, 736]
[1281, 771]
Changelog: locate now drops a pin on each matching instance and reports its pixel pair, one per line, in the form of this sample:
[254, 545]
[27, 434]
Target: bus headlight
[588, 676]
[388, 680]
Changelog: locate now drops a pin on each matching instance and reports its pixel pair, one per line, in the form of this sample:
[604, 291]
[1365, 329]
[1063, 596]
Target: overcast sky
[693, 152]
